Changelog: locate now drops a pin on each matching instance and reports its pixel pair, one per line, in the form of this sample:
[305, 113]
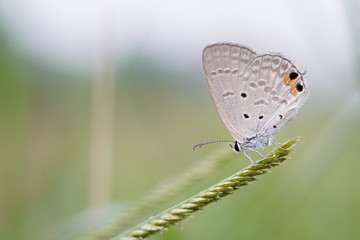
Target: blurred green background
[100, 101]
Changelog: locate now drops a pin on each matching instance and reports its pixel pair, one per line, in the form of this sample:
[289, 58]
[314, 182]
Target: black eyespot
[246, 116]
[293, 75]
[280, 116]
[274, 126]
[261, 117]
[243, 95]
[299, 87]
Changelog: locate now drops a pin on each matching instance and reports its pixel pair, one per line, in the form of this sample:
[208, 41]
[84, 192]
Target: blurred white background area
[316, 35]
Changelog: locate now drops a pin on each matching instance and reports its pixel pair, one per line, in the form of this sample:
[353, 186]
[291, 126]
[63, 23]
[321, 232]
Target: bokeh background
[100, 101]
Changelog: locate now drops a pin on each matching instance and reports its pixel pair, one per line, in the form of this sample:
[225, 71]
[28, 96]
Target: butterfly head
[236, 147]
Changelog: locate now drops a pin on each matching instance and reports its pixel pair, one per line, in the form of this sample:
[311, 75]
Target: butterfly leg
[253, 150]
[277, 144]
[248, 156]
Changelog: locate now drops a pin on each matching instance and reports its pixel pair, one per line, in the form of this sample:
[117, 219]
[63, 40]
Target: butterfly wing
[224, 65]
[271, 90]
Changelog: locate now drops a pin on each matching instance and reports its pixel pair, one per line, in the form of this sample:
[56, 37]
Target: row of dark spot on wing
[296, 88]
[254, 85]
[261, 83]
[267, 89]
[260, 117]
[261, 101]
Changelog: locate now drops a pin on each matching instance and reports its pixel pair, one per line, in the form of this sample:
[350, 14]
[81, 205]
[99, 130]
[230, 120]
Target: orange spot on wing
[289, 81]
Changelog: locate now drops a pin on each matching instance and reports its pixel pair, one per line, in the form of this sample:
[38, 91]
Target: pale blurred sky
[316, 35]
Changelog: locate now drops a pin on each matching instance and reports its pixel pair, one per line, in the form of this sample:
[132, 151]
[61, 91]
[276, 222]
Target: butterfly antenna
[205, 143]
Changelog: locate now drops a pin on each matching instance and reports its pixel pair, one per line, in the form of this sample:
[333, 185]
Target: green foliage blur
[45, 122]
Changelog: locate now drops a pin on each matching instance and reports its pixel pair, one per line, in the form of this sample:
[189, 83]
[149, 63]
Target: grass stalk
[183, 210]
[163, 193]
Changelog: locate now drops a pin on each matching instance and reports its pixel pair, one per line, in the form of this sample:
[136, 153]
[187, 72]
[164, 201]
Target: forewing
[224, 65]
[274, 91]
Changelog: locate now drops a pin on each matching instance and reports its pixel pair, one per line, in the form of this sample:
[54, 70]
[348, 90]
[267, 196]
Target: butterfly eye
[297, 89]
[243, 95]
[291, 78]
[261, 117]
[237, 147]
[246, 116]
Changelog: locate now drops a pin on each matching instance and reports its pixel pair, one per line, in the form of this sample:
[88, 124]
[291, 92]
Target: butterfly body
[254, 143]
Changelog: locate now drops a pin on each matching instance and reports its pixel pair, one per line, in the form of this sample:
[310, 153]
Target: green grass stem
[183, 210]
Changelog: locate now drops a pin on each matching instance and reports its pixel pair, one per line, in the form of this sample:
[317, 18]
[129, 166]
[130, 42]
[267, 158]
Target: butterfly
[256, 95]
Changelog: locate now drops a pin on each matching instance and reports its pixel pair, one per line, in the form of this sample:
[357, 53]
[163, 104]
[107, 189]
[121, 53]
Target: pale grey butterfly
[256, 95]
